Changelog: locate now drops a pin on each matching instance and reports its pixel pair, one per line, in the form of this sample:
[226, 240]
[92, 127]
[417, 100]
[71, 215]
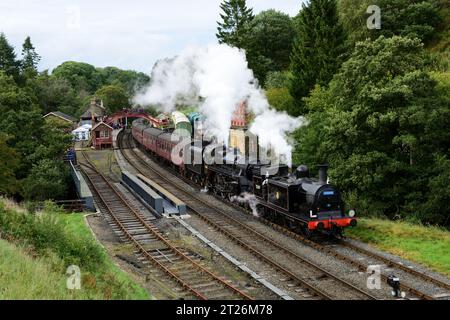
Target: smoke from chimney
[216, 78]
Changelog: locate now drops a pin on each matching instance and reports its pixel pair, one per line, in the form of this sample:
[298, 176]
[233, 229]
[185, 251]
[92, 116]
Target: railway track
[395, 264]
[360, 265]
[363, 266]
[271, 252]
[351, 260]
[152, 247]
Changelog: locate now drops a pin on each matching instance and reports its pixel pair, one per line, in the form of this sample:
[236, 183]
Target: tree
[8, 62]
[30, 59]
[268, 43]
[413, 18]
[54, 142]
[54, 93]
[380, 124]
[114, 98]
[319, 48]
[47, 180]
[8, 164]
[281, 100]
[12, 97]
[235, 19]
[277, 79]
[26, 129]
[353, 14]
[435, 209]
[131, 80]
[81, 76]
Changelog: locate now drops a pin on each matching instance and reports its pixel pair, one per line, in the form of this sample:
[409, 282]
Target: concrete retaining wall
[146, 193]
[82, 187]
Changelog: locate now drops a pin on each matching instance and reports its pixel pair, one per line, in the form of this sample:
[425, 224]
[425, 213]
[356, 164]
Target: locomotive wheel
[270, 215]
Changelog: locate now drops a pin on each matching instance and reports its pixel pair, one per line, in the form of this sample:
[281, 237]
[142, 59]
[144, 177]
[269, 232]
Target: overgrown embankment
[36, 249]
[429, 246]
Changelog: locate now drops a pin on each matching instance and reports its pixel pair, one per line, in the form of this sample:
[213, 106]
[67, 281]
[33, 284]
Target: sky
[127, 34]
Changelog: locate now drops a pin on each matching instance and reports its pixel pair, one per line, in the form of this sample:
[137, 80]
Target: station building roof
[61, 115]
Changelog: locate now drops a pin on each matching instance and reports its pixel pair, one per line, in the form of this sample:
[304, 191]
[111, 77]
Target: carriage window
[278, 196]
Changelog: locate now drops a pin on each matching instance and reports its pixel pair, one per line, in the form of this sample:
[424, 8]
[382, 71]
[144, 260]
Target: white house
[82, 133]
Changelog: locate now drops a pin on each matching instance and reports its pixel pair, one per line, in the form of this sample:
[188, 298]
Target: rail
[155, 232]
[248, 230]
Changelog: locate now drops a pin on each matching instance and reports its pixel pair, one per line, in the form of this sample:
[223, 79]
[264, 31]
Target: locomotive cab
[323, 201]
[328, 202]
[315, 202]
[325, 205]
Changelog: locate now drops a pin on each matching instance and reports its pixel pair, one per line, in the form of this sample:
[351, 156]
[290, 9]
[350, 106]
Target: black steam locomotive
[294, 200]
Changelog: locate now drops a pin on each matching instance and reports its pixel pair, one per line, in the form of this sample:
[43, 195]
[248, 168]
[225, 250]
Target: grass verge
[41, 246]
[428, 246]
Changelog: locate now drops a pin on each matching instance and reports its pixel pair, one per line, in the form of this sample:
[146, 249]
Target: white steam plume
[247, 198]
[217, 78]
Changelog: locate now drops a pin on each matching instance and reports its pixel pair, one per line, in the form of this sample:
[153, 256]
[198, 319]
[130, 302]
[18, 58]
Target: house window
[104, 134]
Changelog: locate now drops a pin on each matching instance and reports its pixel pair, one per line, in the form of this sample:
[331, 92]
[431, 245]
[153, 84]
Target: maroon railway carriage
[150, 139]
[138, 127]
[158, 142]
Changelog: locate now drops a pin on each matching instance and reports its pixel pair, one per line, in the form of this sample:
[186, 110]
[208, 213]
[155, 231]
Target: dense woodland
[377, 100]
[31, 150]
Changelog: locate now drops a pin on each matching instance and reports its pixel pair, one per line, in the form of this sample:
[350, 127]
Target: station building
[102, 136]
[94, 113]
[61, 119]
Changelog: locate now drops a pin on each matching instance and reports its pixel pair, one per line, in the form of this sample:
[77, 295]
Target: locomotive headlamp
[351, 213]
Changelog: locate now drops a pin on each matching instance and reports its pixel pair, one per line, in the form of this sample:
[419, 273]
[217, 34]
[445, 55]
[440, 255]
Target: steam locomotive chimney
[323, 176]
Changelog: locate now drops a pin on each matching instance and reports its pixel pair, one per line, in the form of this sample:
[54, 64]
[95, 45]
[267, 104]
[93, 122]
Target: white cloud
[131, 34]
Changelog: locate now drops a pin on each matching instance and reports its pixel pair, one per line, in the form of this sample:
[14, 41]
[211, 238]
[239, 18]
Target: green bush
[56, 240]
[45, 231]
[381, 125]
[47, 180]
